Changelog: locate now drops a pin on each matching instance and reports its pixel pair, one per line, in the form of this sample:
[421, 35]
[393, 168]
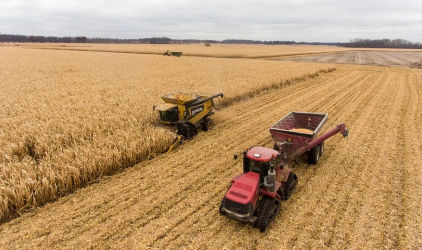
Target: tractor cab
[259, 160]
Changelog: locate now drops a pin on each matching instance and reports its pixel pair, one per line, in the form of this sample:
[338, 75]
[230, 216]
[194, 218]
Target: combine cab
[189, 112]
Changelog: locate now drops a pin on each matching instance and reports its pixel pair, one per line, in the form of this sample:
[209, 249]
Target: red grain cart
[296, 134]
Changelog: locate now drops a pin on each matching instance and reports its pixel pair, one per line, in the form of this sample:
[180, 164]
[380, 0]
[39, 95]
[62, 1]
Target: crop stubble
[216, 50]
[364, 193]
[379, 57]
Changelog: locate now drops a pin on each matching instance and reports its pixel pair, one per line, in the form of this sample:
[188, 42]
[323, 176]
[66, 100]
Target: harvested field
[71, 117]
[379, 58]
[365, 193]
[216, 50]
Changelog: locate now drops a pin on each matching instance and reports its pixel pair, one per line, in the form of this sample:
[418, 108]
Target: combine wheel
[208, 125]
[321, 148]
[313, 155]
[290, 186]
[187, 130]
[267, 211]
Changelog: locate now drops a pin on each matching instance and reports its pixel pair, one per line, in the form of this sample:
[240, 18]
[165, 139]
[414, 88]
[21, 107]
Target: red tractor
[255, 196]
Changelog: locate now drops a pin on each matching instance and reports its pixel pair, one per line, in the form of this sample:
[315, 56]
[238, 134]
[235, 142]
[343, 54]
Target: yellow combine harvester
[188, 112]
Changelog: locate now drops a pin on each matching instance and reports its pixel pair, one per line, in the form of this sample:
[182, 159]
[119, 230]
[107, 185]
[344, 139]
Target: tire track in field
[411, 232]
[377, 59]
[345, 57]
[387, 239]
[348, 214]
[324, 88]
[393, 213]
[359, 58]
[387, 175]
[327, 58]
[393, 59]
[405, 59]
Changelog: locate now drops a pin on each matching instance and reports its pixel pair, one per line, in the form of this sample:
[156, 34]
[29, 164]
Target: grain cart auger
[256, 195]
[188, 112]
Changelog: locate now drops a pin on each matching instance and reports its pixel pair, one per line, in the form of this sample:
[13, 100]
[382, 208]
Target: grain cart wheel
[267, 211]
[290, 185]
[313, 155]
[321, 148]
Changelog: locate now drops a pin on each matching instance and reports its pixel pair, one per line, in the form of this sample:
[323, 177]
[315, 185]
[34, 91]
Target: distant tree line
[8, 38]
[153, 40]
[383, 43]
[354, 43]
[41, 39]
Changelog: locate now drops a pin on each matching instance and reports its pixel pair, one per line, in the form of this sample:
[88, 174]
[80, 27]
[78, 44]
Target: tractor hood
[165, 106]
[244, 189]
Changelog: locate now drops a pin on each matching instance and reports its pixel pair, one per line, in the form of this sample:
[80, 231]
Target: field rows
[364, 193]
[215, 50]
[379, 58]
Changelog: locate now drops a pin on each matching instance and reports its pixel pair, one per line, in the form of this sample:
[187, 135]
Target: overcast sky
[285, 20]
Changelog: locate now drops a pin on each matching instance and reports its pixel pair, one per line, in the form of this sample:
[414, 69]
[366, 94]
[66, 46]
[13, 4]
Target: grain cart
[188, 112]
[295, 135]
[256, 195]
[172, 53]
